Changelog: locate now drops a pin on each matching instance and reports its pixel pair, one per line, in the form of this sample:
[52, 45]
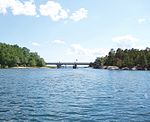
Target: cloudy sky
[66, 30]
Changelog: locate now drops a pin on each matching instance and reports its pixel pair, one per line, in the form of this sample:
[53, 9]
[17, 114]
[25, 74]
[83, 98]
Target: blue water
[74, 95]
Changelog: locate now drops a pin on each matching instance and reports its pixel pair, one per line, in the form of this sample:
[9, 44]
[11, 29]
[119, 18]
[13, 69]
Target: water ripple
[74, 95]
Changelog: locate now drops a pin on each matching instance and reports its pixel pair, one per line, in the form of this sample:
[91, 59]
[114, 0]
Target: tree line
[14, 56]
[125, 58]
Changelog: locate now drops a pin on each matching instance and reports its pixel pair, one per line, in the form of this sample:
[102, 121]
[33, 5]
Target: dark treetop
[13, 56]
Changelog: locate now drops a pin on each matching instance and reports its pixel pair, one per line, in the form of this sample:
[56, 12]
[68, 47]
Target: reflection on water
[74, 95]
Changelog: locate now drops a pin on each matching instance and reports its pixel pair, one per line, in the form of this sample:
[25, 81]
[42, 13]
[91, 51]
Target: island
[127, 59]
[15, 56]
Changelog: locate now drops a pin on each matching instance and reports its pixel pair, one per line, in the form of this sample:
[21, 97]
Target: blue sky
[64, 30]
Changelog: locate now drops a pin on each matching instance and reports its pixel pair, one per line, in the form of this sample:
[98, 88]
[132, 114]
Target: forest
[15, 56]
[128, 58]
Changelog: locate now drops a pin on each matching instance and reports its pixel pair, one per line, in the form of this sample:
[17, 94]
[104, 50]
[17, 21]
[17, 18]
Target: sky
[66, 30]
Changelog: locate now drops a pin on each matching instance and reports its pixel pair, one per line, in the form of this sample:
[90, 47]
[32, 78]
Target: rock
[113, 68]
[145, 69]
[125, 68]
[104, 67]
[139, 68]
[134, 68]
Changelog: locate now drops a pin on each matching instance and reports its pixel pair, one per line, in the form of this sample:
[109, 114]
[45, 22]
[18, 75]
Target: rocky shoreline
[123, 68]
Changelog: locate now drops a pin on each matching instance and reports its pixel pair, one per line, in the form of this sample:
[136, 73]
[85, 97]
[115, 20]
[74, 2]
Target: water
[74, 95]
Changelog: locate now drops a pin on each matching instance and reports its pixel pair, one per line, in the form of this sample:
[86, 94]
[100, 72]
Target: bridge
[59, 64]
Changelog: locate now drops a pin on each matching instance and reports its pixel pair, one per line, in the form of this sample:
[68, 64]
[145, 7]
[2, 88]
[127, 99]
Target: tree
[125, 58]
[41, 62]
[32, 62]
[110, 60]
[13, 55]
[99, 62]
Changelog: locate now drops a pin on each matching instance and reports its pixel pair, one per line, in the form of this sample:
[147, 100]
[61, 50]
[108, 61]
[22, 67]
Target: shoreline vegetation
[128, 59]
[15, 56]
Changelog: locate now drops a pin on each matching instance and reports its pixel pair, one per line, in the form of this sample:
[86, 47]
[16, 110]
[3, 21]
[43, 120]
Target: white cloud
[53, 10]
[79, 15]
[127, 41]
[58, 42]
[35, 44]
[141, 20]
[3, 6]
[144, 19]
[79, 50]
[18, 7]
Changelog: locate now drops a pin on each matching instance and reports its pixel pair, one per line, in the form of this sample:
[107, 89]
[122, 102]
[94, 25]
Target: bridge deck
[68, 63]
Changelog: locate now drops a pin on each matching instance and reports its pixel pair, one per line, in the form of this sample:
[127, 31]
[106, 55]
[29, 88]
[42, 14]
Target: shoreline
[135, 68]
[50, 67]
[102, 67]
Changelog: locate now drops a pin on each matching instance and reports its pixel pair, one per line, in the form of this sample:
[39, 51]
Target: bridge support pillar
[75, 66]
[58, 66]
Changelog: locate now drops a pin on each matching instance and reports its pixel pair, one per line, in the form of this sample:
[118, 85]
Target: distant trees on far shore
[14, 56]
[125, 58]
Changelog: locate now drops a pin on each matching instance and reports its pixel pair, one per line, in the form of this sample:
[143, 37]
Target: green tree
[125, 58]
[13, 55]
